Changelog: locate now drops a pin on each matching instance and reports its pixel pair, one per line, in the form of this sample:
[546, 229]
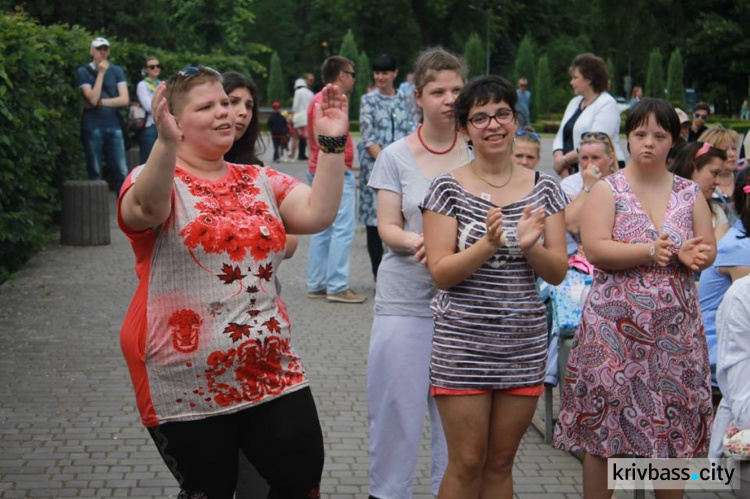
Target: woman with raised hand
[490, 229]
[211, 362]
[639, 355]
[592, 109]
[402, 329]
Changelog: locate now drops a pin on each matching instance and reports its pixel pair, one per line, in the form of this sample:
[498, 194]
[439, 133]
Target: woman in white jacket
[593, 109]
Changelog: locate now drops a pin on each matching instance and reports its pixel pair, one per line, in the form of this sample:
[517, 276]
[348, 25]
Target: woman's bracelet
[332, 145]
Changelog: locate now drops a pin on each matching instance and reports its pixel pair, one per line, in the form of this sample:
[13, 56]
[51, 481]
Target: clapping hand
[662, 250]
[694, 253]
[530, 227]
[166, 125]
[494, 227]
[332, 114]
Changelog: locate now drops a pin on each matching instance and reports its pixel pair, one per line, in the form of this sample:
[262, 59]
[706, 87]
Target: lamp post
[487, 17]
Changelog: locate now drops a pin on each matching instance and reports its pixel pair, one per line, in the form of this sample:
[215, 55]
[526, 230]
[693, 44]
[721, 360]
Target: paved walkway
[68, 423]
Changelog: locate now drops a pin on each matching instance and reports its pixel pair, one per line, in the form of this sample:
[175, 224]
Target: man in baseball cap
[104, 89]
[684, 122]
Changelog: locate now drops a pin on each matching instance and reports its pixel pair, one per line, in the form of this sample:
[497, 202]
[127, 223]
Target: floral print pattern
[383, 119]
[638, 374]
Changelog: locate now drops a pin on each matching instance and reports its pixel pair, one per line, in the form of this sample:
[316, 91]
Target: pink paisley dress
[638, 375]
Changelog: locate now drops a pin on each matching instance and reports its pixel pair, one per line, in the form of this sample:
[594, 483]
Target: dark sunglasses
[352, 73]
[154, 66]
[521, 133]
[699, 116]
[594, 136]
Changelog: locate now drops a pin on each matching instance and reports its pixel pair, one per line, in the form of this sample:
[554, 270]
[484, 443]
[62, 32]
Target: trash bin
[85, 213]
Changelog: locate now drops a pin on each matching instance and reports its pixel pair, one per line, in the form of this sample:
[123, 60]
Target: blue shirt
[523, 104]
[101, 116]
[731, 252]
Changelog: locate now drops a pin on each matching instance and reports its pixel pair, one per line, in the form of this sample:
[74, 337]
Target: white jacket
[303, 96]
[602, 115]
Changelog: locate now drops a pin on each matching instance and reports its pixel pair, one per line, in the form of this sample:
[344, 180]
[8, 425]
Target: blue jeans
[146, 140]
[108, 140]
[328, 257]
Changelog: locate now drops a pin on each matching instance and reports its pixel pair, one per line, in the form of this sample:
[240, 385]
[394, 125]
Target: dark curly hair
[481, 90]
[243, 151]
[594, 69]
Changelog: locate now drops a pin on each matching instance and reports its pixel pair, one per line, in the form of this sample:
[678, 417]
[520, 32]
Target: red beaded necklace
[421, 141]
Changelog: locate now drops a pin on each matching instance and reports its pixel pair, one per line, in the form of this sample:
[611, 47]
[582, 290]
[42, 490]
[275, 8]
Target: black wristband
[333, 145]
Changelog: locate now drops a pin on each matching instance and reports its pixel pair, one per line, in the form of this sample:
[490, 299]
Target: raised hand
[662, 252]
[494, 227]
[332, 114]
[590, 176]
[694, 253]
[166, 125]
[530, 227]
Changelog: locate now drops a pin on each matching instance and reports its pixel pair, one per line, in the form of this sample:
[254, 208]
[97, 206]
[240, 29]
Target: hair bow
[703, 150]
[746, 189]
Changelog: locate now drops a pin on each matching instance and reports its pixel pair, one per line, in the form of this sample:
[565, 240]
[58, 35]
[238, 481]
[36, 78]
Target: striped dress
[490, 329]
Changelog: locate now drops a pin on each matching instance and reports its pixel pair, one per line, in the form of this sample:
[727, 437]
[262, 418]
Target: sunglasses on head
[154, 66]
[521, 133]
[594, 136]
[699, 116]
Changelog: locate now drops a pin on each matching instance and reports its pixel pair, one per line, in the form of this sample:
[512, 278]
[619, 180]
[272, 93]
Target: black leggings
[374, 248]
[281, 438]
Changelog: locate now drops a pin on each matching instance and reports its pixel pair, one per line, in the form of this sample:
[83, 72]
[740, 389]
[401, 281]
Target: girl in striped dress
[490, 229]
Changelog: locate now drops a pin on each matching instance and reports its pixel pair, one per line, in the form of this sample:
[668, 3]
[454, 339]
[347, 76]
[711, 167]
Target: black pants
[276, 148]
[281, 438]
[374, 248]
[302, 148]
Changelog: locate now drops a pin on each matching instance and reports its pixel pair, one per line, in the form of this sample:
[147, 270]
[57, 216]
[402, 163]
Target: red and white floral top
[206, 333]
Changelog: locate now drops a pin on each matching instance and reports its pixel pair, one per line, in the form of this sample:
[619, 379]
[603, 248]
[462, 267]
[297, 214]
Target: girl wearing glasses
[639, 355]
[490, 228]
[207, 338]
[593, 108]
[526, 148]
[145, 91]
[399, 356]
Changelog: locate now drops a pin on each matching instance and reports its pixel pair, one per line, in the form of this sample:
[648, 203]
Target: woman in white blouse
[592, 109]
[145, 90]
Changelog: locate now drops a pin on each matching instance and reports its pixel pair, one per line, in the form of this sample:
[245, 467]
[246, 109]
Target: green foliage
[612, 77]
[364, 70]
[39, 133]
[474, 55]
[276, 89]
[349, 50]
[542, 87]
[675, 77]
[525, 60]
[655, 75]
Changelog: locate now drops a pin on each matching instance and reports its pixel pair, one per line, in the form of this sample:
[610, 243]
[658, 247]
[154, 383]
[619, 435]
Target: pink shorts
[524, 391]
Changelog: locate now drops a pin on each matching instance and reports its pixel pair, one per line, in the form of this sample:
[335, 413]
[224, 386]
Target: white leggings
[398, 393]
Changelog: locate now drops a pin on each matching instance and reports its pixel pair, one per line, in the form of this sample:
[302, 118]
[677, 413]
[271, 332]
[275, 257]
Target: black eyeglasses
[352, 73]
[154, 66]
[521, 133]
[482, 120]
[699, 116]
[594, 135]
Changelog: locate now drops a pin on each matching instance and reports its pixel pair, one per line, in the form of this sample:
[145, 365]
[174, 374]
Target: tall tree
[349, 50]
[364, 74]
[276, 88]
[613, 84]
[542, 87]
[474, 55]
[655, 75]
[676, 78]
[525, 60]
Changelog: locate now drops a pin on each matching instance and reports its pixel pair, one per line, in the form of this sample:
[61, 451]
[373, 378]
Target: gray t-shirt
[404, 285]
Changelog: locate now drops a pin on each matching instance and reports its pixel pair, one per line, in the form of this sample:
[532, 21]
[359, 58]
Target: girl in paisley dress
[638, 375]
[206, 337]
[384, 118]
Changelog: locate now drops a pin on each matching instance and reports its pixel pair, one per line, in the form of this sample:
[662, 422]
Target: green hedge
[40, 116]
